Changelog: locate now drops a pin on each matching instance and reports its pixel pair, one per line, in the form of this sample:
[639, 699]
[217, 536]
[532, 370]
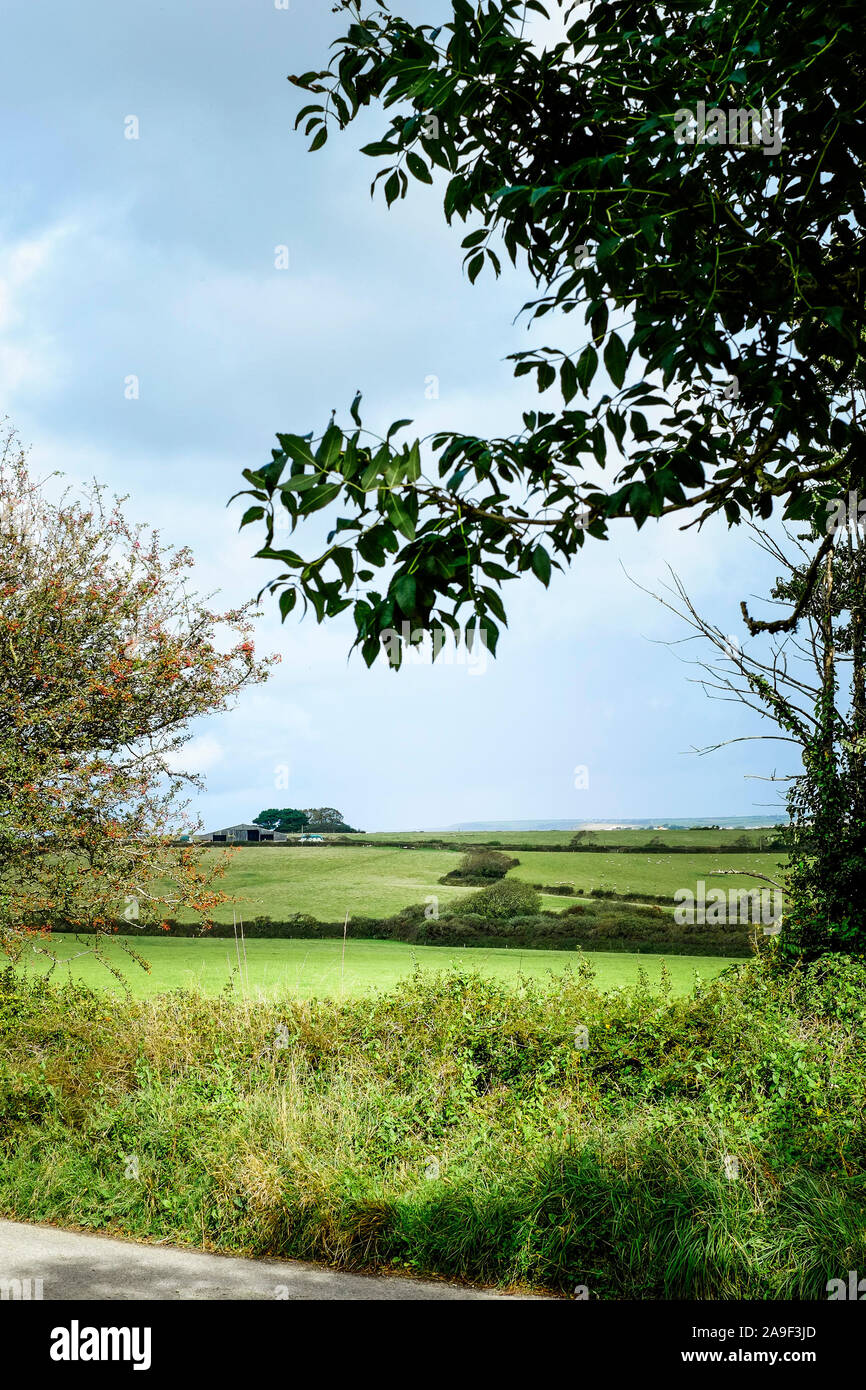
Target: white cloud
[199, 755]
[28, 355]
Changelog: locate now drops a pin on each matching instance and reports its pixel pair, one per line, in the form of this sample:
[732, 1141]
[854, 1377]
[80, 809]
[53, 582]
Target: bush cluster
[510, 897]
[478, 868]
[498, 916]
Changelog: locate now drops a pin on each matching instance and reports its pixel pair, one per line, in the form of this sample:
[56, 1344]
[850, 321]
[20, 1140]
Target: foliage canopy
[720, 289]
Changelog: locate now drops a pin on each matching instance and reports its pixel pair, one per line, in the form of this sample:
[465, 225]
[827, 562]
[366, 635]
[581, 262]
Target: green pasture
[328, 881]
[546, 838]
[646, 873]
[307, 969]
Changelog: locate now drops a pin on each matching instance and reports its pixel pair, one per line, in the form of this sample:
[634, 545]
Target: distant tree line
[324, 820]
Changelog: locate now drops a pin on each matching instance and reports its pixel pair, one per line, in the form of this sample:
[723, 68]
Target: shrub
[604, 926]
[479, 867]
[511, 897]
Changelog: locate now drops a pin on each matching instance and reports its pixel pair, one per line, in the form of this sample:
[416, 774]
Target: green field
[544, 838]
[304, 969]
[327, 881]
[644, 873]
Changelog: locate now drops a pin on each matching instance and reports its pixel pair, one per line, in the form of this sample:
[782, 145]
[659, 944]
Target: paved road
[76, 1266]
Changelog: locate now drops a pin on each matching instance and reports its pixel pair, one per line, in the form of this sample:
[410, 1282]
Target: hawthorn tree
[685, 187]
[106, 655]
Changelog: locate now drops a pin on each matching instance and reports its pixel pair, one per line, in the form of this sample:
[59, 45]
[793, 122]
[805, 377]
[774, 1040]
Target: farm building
[244, 834]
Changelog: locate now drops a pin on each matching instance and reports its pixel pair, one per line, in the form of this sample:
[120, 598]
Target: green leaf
[371, 477]
[512, 188]
[301, 482]
[396, 427]
[342, 558]
[403, 590]
[616, 425]
[318, 497]
[329, 449]
[417, 167]
[540, 561]
[380, 147]
[413, 463]
[800, 508]
[298, 449]
[568, 379]
[615, 359]
[639, 502]
[546, 375]
[399, 509]
[587, 363]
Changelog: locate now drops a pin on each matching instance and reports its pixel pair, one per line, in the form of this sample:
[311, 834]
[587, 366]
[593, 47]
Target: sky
[155, 257]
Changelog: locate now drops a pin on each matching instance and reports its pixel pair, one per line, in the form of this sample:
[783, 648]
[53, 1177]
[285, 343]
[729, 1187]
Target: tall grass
[307, 1129]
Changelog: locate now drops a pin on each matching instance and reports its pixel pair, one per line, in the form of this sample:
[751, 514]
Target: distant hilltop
[650, 823]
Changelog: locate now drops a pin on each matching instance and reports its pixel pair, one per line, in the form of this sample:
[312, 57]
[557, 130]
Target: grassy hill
[654, 872]
[327, 881]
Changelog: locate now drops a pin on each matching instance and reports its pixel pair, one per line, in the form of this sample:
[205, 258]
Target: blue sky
[155, 258]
